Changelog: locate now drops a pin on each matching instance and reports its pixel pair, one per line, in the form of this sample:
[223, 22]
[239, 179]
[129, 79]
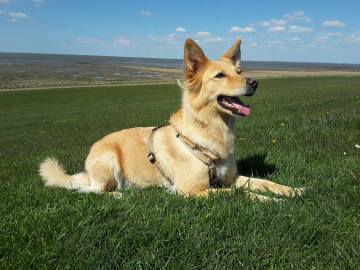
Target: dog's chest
[222, 170]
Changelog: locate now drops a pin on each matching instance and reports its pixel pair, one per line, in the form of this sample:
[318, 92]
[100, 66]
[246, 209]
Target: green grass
[56, 228]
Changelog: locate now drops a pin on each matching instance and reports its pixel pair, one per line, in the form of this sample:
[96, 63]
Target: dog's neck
[209, 130]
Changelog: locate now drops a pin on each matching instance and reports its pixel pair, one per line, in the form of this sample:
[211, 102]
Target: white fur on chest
[226, 170]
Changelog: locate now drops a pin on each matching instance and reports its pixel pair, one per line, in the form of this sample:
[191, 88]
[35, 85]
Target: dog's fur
[204, 121]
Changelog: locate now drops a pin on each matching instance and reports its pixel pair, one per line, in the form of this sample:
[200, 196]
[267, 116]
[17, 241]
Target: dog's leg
[206, 192]
[115, 194]
[253, 196]
[266, 186]
[101, 171]
[257, 197]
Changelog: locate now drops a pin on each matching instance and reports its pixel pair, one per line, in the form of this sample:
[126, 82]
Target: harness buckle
[151, 158]
[212, 172]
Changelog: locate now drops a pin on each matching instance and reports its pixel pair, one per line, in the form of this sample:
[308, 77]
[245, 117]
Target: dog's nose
[253, 82]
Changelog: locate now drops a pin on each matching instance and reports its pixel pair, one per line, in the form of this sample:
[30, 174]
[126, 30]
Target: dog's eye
[220, 75]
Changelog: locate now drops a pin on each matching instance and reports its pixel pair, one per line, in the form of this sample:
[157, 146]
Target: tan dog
[196, 149]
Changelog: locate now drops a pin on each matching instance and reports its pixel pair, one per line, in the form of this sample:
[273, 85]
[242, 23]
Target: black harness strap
[151, 155]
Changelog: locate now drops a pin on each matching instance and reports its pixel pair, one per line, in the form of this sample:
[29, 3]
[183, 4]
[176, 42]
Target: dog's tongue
[238, 104]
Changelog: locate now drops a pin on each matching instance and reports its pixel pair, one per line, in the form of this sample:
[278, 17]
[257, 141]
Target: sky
[294, 31]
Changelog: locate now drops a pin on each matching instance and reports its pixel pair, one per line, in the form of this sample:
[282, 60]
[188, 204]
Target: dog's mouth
[234, 104]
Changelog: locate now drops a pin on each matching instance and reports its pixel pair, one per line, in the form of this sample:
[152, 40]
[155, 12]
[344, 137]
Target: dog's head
[217, 84]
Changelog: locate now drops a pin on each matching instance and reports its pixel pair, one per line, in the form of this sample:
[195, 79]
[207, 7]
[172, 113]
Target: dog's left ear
[234, 54]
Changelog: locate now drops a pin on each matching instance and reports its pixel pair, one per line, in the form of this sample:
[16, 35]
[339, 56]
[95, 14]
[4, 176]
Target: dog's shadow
[255, 166]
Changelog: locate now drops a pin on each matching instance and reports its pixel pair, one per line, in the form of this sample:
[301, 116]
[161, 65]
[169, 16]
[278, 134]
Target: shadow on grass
[255, 166]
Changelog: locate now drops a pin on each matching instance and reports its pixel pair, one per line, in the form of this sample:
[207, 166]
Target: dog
[187, 156]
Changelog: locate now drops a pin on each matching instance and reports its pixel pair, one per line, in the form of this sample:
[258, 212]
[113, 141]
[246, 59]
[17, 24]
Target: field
[302, 132]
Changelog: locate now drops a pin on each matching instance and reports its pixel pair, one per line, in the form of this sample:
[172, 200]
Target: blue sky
[308, 31]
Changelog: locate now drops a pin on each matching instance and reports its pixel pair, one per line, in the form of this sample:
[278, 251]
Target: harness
[210, 163]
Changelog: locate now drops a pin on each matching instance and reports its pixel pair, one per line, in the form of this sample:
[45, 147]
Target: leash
[210, 163]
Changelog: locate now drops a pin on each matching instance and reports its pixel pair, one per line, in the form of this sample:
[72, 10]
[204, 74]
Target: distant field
[302, 132]
[22, 71]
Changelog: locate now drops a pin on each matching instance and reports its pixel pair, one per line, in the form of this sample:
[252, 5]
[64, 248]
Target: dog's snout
[252, 82]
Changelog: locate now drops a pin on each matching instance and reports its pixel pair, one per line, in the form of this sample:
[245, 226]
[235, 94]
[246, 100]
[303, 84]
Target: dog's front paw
[297, 191]
[116, 195]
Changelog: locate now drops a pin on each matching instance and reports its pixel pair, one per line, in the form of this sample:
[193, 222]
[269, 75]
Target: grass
[301, 132]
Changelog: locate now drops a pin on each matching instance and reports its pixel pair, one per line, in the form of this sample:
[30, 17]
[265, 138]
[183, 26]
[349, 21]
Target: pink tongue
[245, 110]
[237, 103]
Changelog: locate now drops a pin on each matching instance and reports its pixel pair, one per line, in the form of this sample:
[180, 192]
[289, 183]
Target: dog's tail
[54, 175]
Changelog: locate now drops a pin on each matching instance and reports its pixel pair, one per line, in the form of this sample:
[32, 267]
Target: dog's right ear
[194, 58]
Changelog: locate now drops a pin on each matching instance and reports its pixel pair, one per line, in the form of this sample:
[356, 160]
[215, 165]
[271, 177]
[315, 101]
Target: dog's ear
[234, 54]
[194, 58]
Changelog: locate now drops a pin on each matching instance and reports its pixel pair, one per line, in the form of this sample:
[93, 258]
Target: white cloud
[201, 33]
[350, 38]
[334, 34]
[12, 20]
[299, 13]
[278, 22]
[19, 15]
[79, 40]
[297, 16]
[169, 39]
[294, 16]
[322, 39]
[297, 29]
[202, 38]
[273, 22]
[295, 39]
[147, 13]
[334, 24]
[121, 41]
[254, 44]
[5, 1]
[265, 24]
[327, 37]
[89, 41]
[1, 11]
[157, 37]
[179, 29]
[276, 29]
[236, 29]
[215, 39]
[275, 42]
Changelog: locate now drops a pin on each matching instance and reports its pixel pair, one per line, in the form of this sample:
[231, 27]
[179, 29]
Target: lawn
[302, 132]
